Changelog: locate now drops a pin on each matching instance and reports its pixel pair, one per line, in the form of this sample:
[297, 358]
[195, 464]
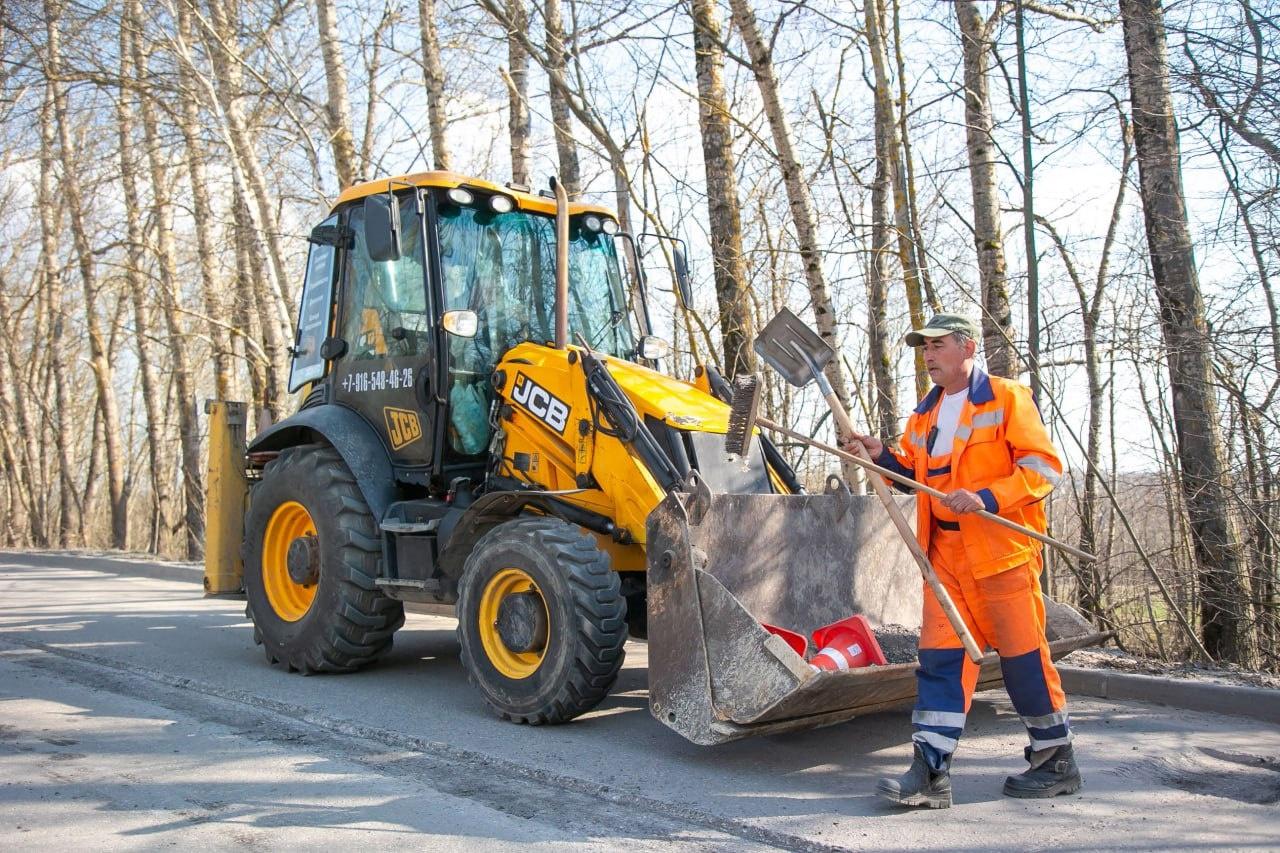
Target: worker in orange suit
[980, 440]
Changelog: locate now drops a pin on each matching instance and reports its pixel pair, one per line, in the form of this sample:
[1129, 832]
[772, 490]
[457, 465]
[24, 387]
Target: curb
[1258, 703]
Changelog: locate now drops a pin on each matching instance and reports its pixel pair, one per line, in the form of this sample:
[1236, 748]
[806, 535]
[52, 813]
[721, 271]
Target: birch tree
[338, 107]
[433, 72]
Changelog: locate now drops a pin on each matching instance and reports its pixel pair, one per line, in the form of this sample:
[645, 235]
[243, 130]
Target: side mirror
[382, 227]
[653, 348]
[462, 324]
[682, 275]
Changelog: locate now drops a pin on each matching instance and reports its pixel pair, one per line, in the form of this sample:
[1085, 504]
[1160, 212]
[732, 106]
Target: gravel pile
[897, 643]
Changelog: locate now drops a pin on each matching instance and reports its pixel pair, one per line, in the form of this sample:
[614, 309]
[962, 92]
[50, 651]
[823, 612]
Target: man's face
[948, 360]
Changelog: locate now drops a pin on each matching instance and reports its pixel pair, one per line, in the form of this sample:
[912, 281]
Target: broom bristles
[742, 414]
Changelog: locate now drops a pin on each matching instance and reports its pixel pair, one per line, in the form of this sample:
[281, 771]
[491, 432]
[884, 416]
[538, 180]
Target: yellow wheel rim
[289, 600]
[512, 664]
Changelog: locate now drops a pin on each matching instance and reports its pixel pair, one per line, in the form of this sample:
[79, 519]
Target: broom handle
[908, 535]
[921, 487]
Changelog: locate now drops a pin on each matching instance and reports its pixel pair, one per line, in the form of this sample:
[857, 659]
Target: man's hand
[962, 500]
[873, 445]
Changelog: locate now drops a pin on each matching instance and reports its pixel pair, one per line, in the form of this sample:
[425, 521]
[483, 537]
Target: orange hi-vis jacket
[1001, 451]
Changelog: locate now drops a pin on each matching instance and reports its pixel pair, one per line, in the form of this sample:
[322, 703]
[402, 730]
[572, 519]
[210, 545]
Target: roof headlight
[610, 227]
[461, 196]
[501, 204]
[592, 223]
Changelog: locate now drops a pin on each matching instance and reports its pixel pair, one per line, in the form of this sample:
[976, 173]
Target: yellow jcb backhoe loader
[485, 426]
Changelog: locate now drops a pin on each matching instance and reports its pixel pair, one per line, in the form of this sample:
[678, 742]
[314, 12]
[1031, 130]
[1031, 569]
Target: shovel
[798, 354]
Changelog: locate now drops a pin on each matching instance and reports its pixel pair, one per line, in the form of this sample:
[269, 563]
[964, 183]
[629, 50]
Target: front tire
[541, 620]
[311, 555]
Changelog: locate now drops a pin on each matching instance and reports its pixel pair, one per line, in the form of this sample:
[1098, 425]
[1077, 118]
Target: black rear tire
[586, 620]
[349, 622]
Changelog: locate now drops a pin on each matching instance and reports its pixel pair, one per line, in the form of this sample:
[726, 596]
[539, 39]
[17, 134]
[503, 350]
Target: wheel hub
[303, 560]
[522, 622]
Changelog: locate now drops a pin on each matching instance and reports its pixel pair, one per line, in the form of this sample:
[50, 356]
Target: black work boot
[1053, 771]
[921, 785]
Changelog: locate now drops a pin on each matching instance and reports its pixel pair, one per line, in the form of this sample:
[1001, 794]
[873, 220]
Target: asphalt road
[134, 713]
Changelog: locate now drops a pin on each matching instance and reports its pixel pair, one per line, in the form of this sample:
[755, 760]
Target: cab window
[386, 313]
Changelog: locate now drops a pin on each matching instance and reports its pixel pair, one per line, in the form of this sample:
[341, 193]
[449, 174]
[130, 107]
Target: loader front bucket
[722, 564]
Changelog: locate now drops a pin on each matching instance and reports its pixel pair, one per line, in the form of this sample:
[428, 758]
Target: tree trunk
[19, 434]
[433, 72]
[722, 191]
[997, 320]
[878, 269]
[798, 196]
[133, 275]
[1220, 556]
[878, 346]
[338, 109]
[103, 373]
[272, 282]
[171, 301]
[216, 305]
[518, 121]
[58, 345]
[887, 134]
[909, 178]
[561, 118]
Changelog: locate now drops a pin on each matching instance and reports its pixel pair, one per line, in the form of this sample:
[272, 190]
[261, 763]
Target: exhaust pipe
[562, 264]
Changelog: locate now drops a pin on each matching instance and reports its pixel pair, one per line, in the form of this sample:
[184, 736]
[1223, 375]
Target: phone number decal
[378, 380]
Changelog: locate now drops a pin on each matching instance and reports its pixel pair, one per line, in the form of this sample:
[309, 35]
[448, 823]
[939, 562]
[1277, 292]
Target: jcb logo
[403, 426]
[540, 402]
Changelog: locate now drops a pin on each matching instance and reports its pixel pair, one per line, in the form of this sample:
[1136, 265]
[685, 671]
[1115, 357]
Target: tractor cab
[416, 287]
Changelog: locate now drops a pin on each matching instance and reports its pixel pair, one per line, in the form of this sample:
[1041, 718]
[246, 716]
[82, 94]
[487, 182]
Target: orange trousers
[1005, 612]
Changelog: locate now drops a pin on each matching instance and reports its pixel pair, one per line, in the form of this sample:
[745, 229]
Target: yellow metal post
[227, 491]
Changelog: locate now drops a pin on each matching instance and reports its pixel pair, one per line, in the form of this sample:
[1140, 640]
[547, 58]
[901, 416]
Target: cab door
[387, 323]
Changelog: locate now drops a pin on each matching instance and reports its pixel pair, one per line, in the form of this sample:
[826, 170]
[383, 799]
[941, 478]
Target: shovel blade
[784, 344]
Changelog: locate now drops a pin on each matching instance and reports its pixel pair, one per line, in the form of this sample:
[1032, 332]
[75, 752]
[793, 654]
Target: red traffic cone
[797, 642]
[847, 644]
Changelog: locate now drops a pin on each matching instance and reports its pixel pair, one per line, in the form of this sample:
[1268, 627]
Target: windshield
[502, 266]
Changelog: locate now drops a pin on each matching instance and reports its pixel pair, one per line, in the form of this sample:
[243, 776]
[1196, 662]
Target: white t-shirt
[948, 419]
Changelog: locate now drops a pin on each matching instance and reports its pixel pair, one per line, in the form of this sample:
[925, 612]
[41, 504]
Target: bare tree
[1219, 555]
[800, 202]
[338, 108]
[433, 71]
[103, 372]
[561, 119]
[997, 318]
[517, 78]
[722, 190]
[173, 311]
[134, 274]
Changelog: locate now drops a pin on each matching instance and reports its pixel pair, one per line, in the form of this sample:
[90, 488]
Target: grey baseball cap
[942, 325]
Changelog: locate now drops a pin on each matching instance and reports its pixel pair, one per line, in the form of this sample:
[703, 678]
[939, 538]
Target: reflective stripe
[988, 419]
[963, 432]
[942, 743]
[837, 659]
[916, 439]
[1041, 467]
[1048, 721]
[1038, 745]
[946, 719]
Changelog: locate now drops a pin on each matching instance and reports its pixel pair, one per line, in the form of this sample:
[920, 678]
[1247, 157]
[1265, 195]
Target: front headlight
[653, 347]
